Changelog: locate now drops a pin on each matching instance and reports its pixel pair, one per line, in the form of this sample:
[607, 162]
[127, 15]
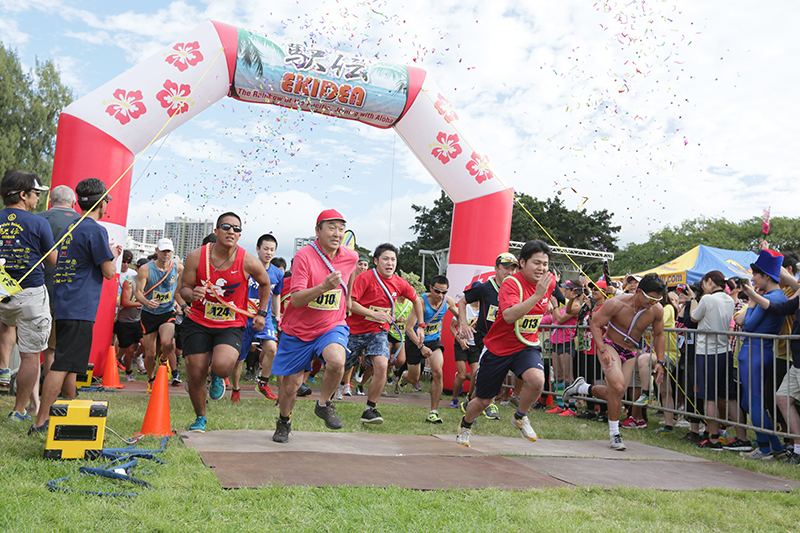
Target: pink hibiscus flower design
[445, 109]
[478, 166]
[446, 147]
[175, 99]
[185, 55]
[125, 105]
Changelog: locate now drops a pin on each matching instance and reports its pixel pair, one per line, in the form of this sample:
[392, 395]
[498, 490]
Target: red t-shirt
[368, 292]
[229, 285]
[330, 309]
[501, 339]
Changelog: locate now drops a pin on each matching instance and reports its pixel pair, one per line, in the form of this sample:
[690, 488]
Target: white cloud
[11, 35]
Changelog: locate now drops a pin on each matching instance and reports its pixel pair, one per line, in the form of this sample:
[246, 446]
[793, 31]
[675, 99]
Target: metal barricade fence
[696, 374]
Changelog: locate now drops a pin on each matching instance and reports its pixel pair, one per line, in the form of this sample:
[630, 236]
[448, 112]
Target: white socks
[613, 427]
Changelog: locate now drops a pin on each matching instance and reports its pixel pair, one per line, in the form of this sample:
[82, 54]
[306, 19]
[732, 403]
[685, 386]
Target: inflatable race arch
[99, 134]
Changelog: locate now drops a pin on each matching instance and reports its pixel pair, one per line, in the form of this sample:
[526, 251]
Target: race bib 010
[218, 312]
[328, 301]
[491, 313]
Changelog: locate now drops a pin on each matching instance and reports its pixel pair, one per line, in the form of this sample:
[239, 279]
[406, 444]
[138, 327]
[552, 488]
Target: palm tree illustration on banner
[254, 50]
[393, 73]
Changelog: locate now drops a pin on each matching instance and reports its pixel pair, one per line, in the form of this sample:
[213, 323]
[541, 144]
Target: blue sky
[656, 111]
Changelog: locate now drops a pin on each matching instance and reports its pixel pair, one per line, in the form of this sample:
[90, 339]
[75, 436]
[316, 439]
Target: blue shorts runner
[368, 344]
[295, 355]
[251, 335]
[493, 369]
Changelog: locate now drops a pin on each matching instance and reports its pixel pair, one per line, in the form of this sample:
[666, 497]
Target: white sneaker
[339, 391]
[347, 391]
[682, 423]
[463, 436]
[616, 442]
[524, 425]
[140, 364]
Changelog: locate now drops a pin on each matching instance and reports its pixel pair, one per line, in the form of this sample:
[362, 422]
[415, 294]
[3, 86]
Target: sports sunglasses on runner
[228, 227]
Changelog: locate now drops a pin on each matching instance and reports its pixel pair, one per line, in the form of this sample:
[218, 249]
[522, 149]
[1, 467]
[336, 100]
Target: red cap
[601, 284]
[329, 214]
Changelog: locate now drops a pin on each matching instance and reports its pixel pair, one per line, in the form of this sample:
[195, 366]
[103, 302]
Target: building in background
[152, 235]
[137, 234]
[187, 234]
[299, 242]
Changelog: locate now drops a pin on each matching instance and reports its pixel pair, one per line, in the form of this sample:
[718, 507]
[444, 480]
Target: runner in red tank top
[215, 283]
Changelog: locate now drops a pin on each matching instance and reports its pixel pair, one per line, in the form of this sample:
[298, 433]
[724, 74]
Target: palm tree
[394, 72]
[252, 52]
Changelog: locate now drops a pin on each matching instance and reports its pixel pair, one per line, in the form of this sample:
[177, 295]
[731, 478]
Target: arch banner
[99, 134]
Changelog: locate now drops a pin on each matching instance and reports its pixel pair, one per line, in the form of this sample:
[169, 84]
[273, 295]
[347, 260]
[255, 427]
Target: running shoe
[347, 390]
[454, 403]
[199, 424]
[282, 431]
[235, 396]
[371, 416]
[567, 412]
[537, 405]
[16, 416]
[737, 445]
[463, 435]
[5, 378]
[217, 388]
[360, 391]
[140, 364]
[555, 410]
[572, 390]
[327, 413]
[358, 375]
[463, 405]
[150, 386]
[792, 458]
[758, 455]
[434, 418]
[304, 390]
[400, 386]
[708, 445]
[602, 418]
[36, 430]
[524, 426]
[632, 423]
[616, 442]
[339, 393]
[129, 376]
[682, 423]
[492, 412]
[663, 431]
[249, 375]
[264, 389]
[586, 415]
[311, 379]
[417, 387]
[514, 400]
[692, 437]
[176, 379]
[644, 399]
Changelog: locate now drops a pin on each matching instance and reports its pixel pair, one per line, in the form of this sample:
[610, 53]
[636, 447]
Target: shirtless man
[626, 317]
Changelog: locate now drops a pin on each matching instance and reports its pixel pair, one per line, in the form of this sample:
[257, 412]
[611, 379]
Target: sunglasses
[228, 227]
[437, 291]
[654, 300]
[127, 262]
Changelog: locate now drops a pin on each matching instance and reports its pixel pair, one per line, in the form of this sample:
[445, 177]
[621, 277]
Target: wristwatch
[262, 313]
[662, 363]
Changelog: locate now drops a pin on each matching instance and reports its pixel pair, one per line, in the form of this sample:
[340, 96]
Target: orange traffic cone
[549, 401]
[156, 419]
[111, 372]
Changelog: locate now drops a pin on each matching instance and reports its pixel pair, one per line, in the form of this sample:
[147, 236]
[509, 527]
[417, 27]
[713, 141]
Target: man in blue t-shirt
[85, 257]
[24, 316]
[265, 249]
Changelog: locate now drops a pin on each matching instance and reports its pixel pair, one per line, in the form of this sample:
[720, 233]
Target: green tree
[569, 228]
[31, 103]
[673, 241]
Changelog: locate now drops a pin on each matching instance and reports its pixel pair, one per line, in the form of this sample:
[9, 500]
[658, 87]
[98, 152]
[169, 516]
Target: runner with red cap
[314, 321]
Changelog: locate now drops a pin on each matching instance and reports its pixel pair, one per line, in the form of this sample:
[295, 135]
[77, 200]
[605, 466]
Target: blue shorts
[295, 355]
[493, 369]
[376, 343]
[251, 335]
[714, 376]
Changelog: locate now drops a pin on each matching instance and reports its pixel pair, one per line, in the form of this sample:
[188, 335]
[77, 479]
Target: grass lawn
[187, 496]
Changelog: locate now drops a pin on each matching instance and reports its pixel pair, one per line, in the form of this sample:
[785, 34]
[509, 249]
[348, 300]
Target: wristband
[422, 325]
[262, 313]
[662, 363]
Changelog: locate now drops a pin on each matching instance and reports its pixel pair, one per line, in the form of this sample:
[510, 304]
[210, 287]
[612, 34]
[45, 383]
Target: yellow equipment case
[76, 429]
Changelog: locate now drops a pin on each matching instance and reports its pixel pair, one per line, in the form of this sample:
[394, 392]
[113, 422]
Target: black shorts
[494, 369]
[414, 355]
[471, 355]
[73, 346]
[128, 333]
[151, 322]
[202, 339]
[565, 347]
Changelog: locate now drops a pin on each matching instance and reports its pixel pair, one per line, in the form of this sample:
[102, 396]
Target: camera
[696, 287]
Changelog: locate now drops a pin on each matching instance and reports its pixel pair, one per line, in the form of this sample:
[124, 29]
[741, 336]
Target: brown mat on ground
[664, 475]
[425, 472]
[569, 448]
[342, 443]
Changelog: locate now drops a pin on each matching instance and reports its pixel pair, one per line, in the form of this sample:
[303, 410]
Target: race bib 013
[328, 301]
[218, 312]
[529, 324]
